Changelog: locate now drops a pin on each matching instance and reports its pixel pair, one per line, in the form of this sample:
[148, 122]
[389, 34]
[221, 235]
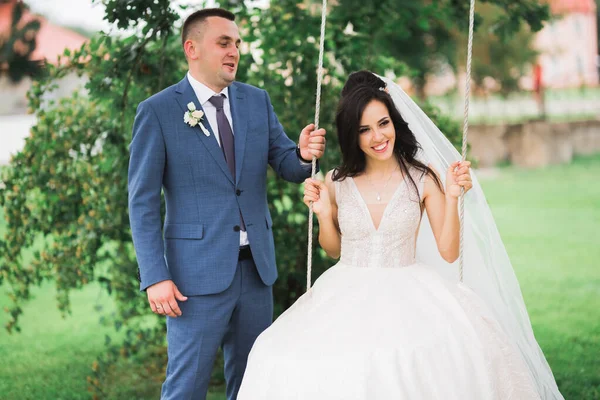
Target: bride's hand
[458, 176]
[317, 192]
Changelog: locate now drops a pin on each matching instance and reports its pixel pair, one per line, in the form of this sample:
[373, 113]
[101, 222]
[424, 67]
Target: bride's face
[376, 132]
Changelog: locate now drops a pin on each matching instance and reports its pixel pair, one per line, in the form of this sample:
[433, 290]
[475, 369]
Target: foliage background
[65, 195]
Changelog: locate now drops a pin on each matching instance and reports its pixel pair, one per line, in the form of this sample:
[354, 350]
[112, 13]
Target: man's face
[217, 51]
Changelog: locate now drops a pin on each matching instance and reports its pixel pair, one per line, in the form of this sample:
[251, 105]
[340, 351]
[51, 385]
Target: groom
[212, 273]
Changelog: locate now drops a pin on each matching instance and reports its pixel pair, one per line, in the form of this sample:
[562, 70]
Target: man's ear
[191, 50]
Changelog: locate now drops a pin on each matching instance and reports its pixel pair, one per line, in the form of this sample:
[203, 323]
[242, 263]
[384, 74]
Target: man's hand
[163, 297]
[312, 142]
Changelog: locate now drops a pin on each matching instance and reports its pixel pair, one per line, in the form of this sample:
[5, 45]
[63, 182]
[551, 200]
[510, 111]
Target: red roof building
[51, 39]
[561, 7]
[568, 45]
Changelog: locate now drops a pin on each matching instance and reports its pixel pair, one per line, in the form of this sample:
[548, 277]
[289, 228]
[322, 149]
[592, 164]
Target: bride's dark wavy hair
[362, 88]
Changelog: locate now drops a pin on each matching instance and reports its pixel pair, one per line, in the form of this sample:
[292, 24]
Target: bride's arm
[325, 207]
[442, 209]
[329, 231]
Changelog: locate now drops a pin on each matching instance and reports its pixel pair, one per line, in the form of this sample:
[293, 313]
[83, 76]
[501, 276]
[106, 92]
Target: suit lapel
[185, 94]
[239, 115]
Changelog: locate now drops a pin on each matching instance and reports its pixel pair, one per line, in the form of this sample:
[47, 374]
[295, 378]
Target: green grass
[549, 222]
[548, 219]
[52, 356]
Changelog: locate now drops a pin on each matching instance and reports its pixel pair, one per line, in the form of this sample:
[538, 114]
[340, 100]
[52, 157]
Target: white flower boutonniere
[193, 117]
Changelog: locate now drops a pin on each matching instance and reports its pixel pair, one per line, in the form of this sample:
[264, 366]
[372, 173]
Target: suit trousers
[232, 319]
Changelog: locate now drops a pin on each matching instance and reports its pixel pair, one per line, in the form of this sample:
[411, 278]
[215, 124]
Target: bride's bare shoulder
[329, 176]
[330, 184]
[431, 183]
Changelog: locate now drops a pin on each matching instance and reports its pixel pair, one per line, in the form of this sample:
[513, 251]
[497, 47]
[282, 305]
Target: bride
[383, 323]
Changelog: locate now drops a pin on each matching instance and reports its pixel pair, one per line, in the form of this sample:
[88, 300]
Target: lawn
[548, 219]
[549, 222]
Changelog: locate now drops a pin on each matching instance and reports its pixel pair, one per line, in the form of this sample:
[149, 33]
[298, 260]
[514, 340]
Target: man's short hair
[201, 16]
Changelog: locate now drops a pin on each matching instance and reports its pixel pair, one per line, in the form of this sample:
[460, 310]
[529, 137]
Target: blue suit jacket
[198, 246]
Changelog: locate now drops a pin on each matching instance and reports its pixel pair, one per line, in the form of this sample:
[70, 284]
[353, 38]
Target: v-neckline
[366, 207]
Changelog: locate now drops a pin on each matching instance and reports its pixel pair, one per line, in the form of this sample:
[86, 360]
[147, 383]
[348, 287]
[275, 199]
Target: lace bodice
[392, 244]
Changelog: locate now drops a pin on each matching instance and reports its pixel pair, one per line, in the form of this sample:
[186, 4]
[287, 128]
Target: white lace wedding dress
[377, 325]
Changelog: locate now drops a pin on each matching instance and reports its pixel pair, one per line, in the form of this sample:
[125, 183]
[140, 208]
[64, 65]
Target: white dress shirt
[204, 93]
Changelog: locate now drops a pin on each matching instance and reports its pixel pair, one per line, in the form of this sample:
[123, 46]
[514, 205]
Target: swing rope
[464, 138]
[314, 160]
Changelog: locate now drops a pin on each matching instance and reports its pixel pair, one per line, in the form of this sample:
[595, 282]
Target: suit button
[238, 192]
[236, 228]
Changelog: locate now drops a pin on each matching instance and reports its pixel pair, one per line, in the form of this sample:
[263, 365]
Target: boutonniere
[193, 117]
